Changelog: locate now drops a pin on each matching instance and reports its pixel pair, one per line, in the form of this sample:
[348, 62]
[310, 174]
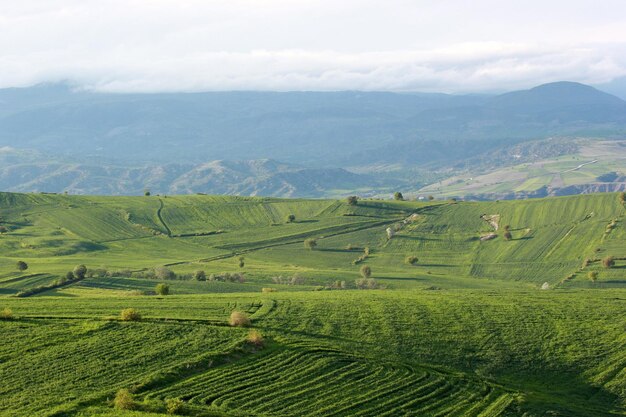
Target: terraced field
[465, 331]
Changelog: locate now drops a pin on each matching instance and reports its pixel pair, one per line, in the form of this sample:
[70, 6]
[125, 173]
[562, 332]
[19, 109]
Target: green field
[467, 330]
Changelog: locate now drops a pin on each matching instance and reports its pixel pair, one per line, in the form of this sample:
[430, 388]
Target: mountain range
[57, 138]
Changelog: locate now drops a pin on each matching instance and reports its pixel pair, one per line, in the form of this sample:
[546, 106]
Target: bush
[352, 200]
[398, 196]
[608, 262]
[310, 243]
[366, 271]
[291, 218]
[3, 229]
[366, 284]
[199, 276]
[593, 275]
[80, 271]
[6, 314]
[162, 289]
[411, 260]
[431, 198]
[21, 266]
[130, 314]
[242, 262]
[507, 235]
[239, 319]
[255, 338]
[69, 276]
[174, 405]
[124, 400]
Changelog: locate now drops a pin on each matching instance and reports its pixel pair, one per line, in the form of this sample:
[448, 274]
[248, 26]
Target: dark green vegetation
[328, 144]
[257, 324]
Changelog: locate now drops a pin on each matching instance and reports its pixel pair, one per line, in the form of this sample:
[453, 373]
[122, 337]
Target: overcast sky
[395, 45]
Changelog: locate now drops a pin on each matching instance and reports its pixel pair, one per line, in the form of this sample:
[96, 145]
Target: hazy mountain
[31, 171]
[120, 143]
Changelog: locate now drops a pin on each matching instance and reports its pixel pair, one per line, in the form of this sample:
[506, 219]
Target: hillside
[465, 330]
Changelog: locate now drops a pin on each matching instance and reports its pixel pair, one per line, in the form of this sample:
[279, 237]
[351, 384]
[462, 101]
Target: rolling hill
[477, 325]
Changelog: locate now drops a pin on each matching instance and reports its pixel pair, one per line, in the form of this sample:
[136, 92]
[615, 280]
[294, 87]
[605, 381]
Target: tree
[366, 271]
[239, 319]
[80, 271]
[124, 400]
[508, 235]
[69, 276]
[255, 338]
[411, 260]
[6, 314]
[608, 262]
[162, 289]
[174, 405]
[431, 198]
[22, 266]
[310, 243]
[199, 275]
[398, 196]
[146, 192]
[242, 262]
[291, 218]
[162, 272]
[352, 200]
[130, 314]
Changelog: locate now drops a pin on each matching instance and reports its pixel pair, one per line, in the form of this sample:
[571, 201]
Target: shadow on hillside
[306, 221]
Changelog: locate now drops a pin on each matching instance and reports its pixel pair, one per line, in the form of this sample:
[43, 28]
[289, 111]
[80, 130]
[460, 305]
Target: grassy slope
[488, 343]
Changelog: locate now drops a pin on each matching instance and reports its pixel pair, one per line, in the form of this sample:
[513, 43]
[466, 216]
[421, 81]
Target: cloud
[159, 45]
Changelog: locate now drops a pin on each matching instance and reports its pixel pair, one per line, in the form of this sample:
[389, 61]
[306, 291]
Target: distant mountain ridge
[101, 143]
[28, 171]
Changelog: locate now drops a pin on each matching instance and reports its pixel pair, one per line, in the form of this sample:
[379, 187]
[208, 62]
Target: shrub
[130, 314]
[411, 260]
[507, 235]
[242, 262]
[124, 400]
[593, 275]
[6, 314]
[80, 271]
[310, 243]
[174, 405]
[366, 271]
[255, 338]
[265, 289]
[199, 276]
[162, 289]
[21, 266]
[238, 319]
[3, 229]
[352, 200]
[291, 218]
[507, 227]
[398, 196]
[431, 198]
[608, 262]
[366, 284]
[146, 192]
[69, 276]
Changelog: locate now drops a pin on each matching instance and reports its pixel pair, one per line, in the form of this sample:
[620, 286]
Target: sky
[453, 46]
